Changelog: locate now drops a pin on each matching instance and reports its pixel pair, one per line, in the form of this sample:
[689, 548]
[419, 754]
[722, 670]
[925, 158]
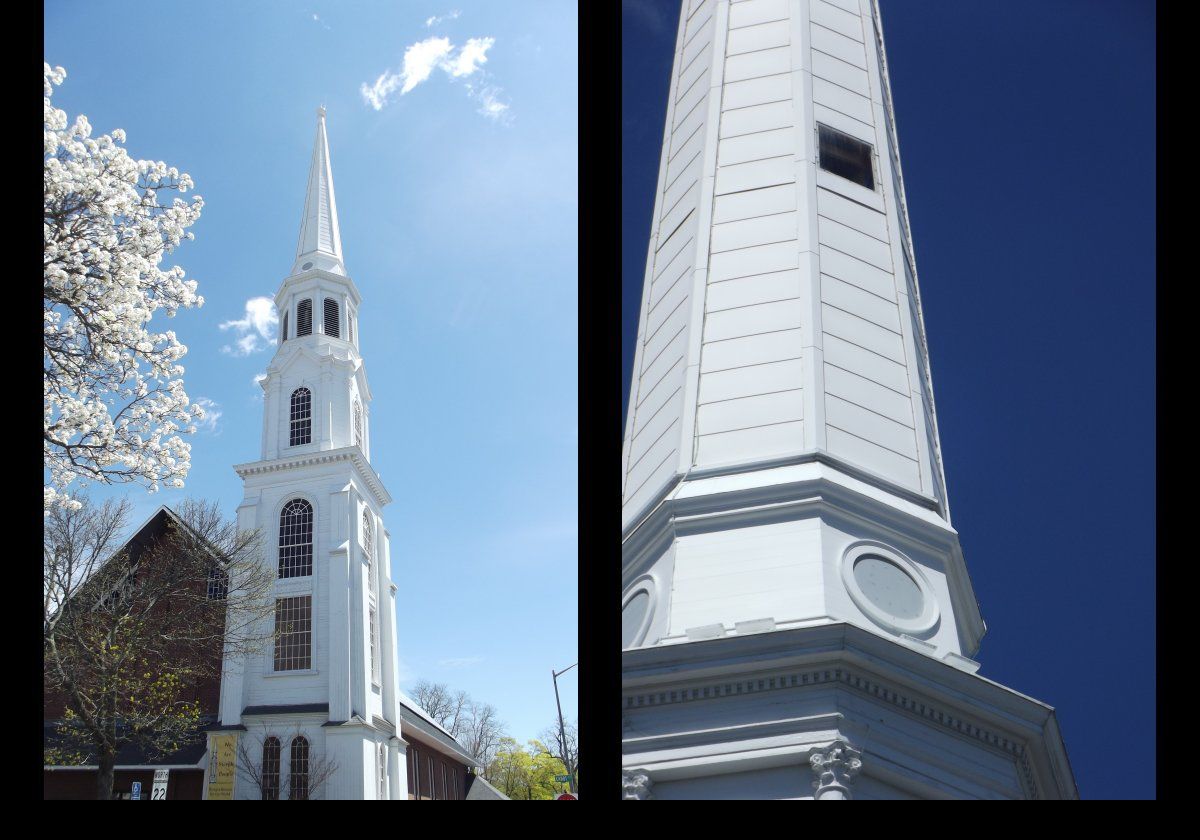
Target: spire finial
[321, 112]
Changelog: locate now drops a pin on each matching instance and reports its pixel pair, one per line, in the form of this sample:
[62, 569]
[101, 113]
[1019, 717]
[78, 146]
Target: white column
[337, 602]
[397, 767]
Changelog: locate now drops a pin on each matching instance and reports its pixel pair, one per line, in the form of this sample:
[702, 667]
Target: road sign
[136, 793]
[562, 778]
[160, 785]
[566, 796]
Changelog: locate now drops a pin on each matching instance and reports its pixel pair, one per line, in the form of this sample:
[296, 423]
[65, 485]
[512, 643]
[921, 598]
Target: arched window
[295, 539]
[283, 329]
[298, 774]
[270, 768]
[332, 324]
[368, 544]
[301, 417]
[358, 427]
[304, 318]
[381, 767]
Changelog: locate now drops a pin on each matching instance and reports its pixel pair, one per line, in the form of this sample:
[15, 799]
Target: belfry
[798, 621]
[319, 710]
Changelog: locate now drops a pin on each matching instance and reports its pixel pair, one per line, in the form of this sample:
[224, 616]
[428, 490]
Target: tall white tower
[324, 695]
[797, 613]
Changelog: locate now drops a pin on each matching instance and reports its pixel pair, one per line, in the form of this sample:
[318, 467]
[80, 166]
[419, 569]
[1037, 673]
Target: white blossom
[114, 396]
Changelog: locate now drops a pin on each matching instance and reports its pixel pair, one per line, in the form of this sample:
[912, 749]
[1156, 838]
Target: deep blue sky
[1027, 136]
[459, 229]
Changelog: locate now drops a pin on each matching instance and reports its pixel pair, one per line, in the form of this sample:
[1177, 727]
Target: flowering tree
[114, 397]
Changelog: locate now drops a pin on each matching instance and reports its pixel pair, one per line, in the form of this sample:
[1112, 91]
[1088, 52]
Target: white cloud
[212, 414]
[317, 18]
[436, 19]
[259, 377]
[423, 57]
[255, 331]
[491, 106]
[470, 57]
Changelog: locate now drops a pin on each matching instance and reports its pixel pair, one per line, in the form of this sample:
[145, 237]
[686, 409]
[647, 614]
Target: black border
[599, 396]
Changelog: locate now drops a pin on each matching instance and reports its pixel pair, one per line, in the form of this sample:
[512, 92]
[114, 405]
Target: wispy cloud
[255, 331]
[460, 662]
[436, 19]
[317, 19]
[212, 414]
[438, 53]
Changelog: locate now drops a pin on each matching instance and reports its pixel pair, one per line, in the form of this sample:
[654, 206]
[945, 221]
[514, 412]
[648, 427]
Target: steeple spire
[320, 238]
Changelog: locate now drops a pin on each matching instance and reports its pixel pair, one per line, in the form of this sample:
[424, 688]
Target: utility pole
[562, 733]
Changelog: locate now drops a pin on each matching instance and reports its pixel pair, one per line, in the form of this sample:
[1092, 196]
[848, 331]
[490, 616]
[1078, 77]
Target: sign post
[160, 785]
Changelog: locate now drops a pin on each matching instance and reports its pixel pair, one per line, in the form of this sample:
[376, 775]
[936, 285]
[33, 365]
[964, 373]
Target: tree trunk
[104, 775]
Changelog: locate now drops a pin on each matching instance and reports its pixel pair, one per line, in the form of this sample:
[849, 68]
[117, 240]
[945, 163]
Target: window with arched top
[358, 424]
[381, 769]
[368, 544]
[304, 318]
[332, 319]
[298, 773]
[295, 539]
[283, 329]
[300, 428]
[270, 768]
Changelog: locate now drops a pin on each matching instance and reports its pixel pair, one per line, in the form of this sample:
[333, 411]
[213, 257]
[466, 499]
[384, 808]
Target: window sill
[303, 673]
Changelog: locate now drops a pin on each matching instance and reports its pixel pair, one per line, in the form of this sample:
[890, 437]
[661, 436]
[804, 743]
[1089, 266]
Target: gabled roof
[414, 717]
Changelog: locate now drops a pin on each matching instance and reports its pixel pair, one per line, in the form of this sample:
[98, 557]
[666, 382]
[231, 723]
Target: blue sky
[1027, 135]
[457, 202]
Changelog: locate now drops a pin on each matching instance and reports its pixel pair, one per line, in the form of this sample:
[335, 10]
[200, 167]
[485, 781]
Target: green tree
[526, 772]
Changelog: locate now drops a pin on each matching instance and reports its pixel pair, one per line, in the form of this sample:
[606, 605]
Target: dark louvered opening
[304, 318]
[332, 326]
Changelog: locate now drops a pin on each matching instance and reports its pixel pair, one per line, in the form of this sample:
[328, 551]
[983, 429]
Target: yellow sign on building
[222, 766]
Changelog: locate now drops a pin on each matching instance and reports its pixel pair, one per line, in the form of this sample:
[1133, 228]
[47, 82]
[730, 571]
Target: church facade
[798, 620]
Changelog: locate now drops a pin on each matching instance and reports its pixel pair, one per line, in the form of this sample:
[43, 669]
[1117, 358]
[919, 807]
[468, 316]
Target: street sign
[160, 785]
[562, 778]
[566, 796]
[136, 793]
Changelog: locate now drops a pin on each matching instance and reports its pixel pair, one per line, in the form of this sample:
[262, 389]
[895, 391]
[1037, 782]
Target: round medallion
[890, 589]
[632, 617]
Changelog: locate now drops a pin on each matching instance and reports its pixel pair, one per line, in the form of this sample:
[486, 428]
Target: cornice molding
[846, 657]
[351, 454]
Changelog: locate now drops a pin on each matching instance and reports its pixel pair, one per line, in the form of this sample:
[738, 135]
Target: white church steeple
[329, 678]
[320, 237]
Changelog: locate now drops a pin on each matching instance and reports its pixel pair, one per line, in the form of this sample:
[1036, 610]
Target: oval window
[888, 587]
[632, 617]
